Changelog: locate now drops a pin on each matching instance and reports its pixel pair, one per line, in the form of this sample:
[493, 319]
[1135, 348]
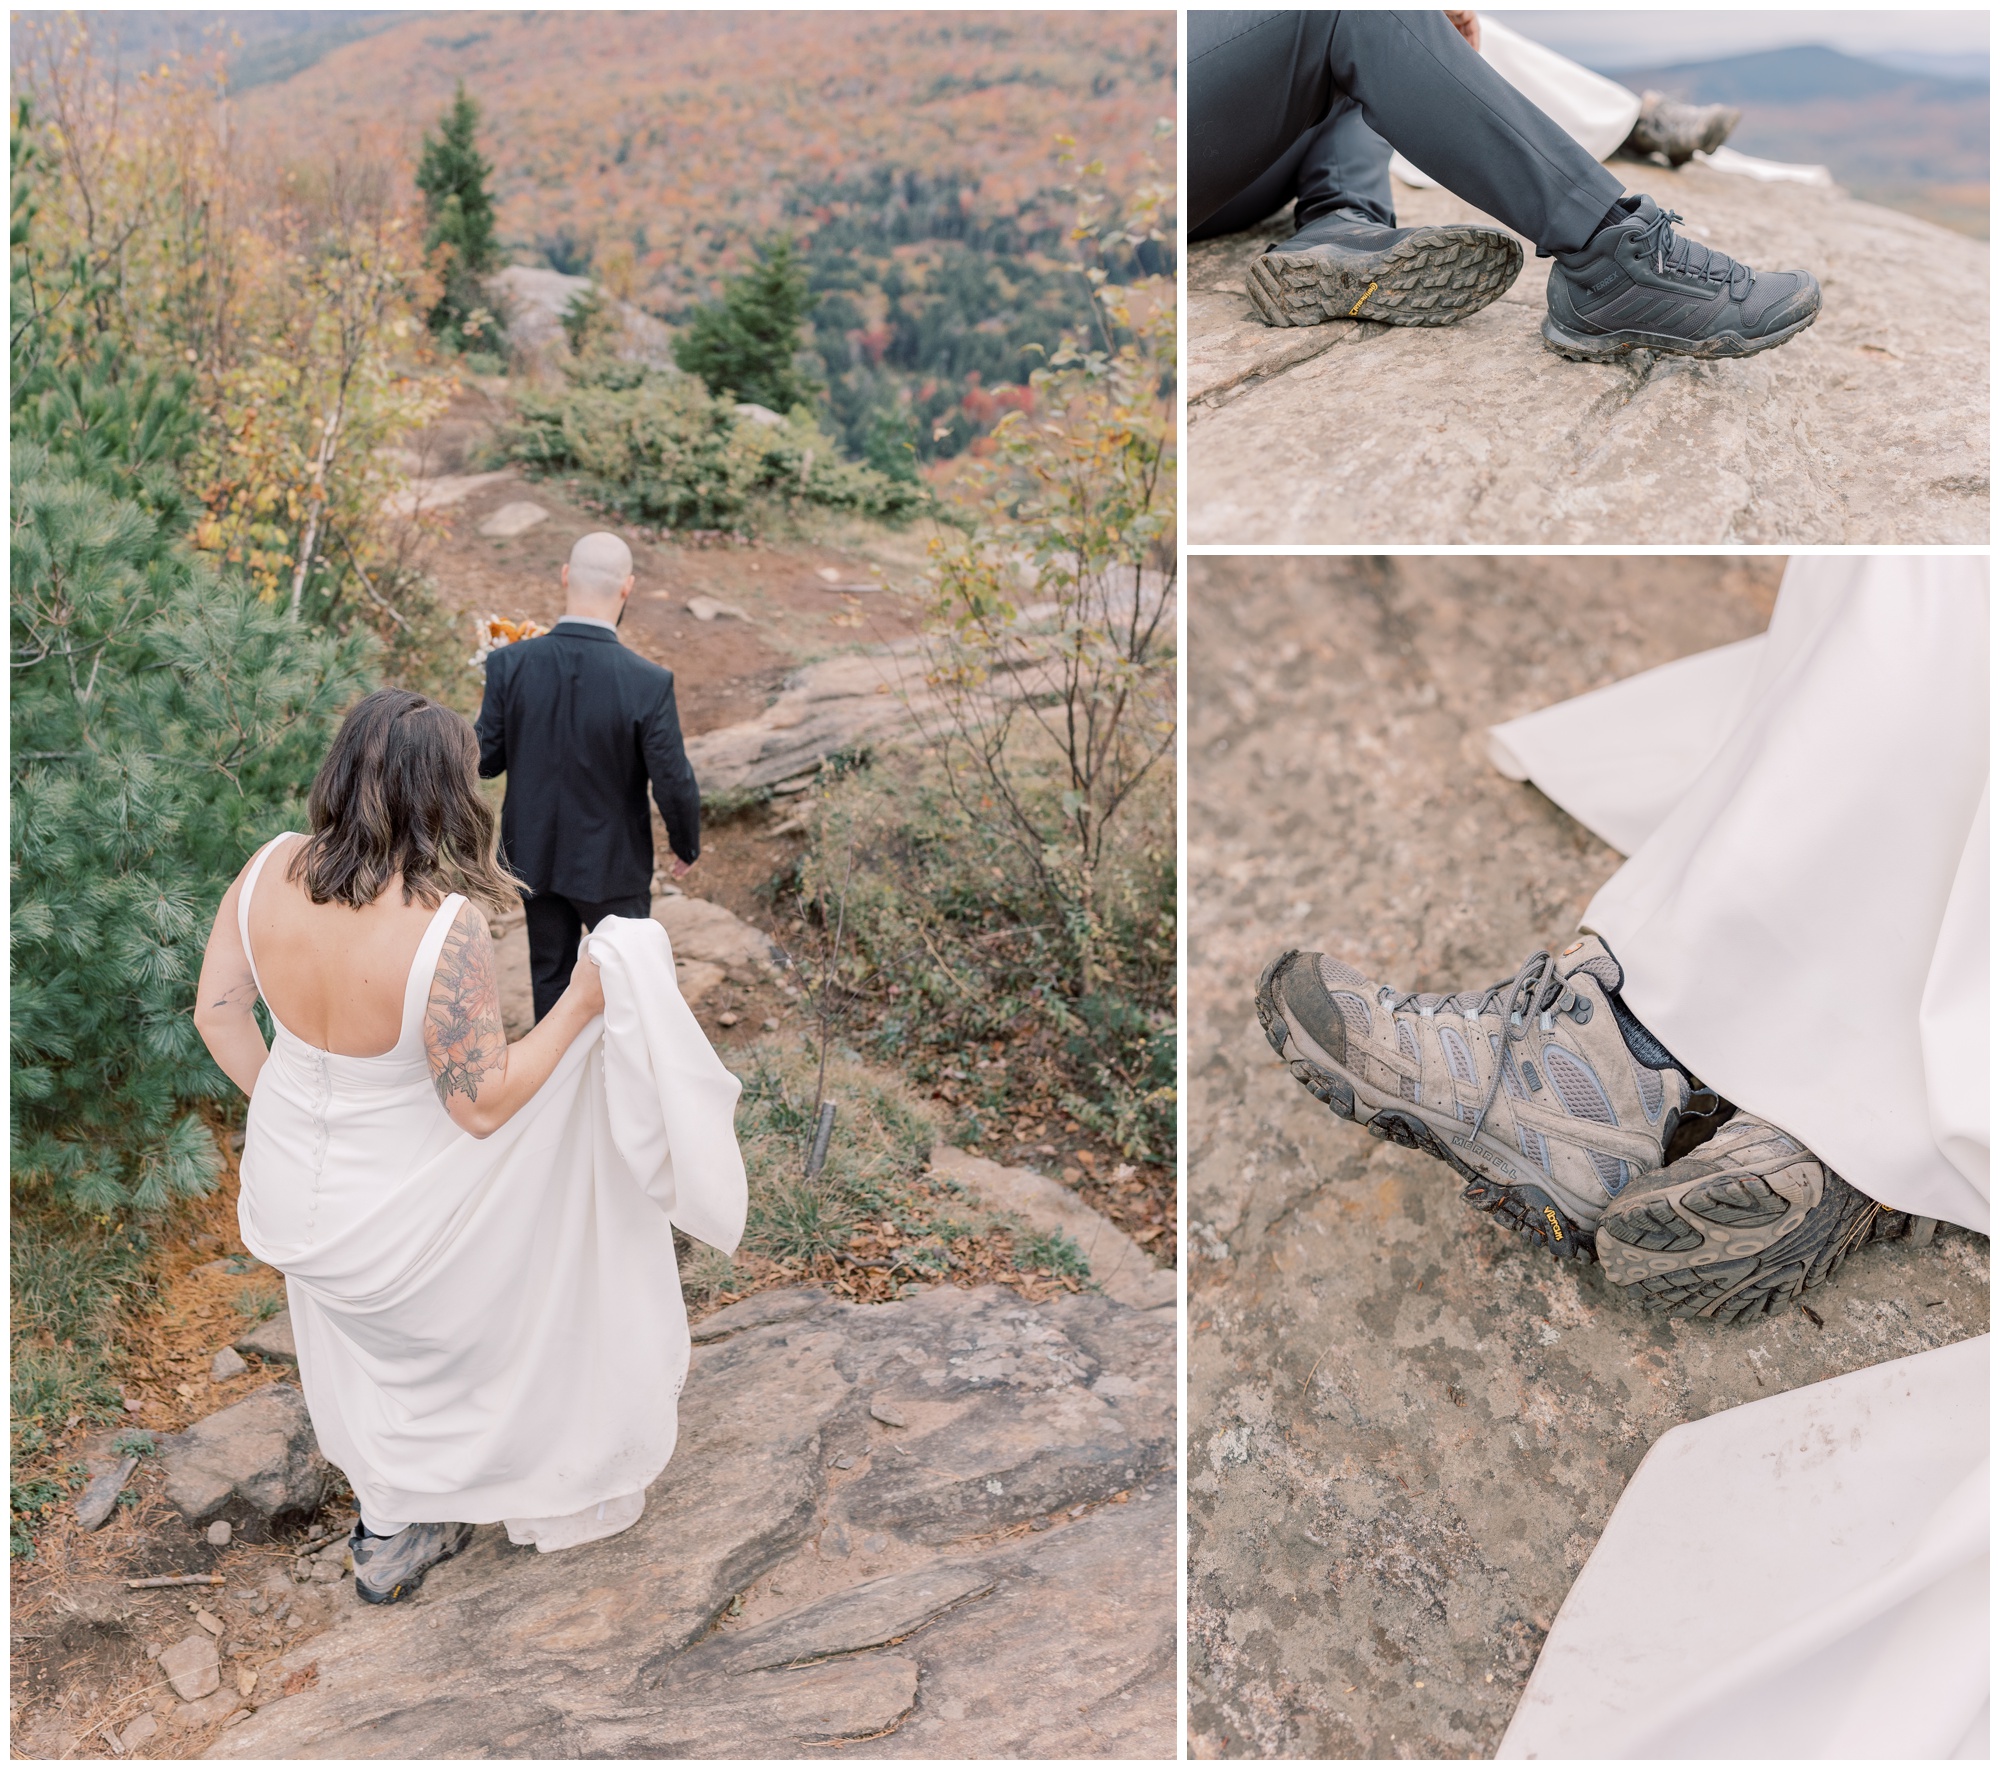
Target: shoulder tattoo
[462, 1028]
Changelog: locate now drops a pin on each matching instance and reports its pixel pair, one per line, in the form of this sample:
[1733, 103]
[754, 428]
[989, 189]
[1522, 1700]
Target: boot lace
[1534, 992]
[1689, 258]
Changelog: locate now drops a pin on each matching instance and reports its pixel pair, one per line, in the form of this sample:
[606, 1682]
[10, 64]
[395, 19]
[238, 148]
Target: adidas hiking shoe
[390, 1568]
[1680, 131]
[1543, 1093]
[1639, 285]
[1343, 268]
[1742, 1226]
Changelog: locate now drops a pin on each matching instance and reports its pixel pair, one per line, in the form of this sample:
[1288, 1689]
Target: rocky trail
[1871, 427]
[882, 1524]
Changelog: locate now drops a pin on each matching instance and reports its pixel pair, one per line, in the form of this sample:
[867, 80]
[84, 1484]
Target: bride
[482, 1283]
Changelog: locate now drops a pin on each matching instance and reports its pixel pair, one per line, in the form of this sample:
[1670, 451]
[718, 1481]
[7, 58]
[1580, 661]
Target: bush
[163, 722]
[952, 942]
[658, 448]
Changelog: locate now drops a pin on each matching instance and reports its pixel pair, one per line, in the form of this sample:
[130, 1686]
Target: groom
[579, 725]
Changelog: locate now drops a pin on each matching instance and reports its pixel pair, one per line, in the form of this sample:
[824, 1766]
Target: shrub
[163, 722]
[658, 448]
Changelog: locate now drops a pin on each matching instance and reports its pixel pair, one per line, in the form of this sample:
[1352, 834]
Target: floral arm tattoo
[462, 1031]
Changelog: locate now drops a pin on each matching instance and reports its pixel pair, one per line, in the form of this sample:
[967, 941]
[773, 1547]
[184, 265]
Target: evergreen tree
[452, 175]
[747, 344]
[163, 722]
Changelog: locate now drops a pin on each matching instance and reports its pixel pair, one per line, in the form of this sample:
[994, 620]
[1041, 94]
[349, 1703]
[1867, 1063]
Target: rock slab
[1406, 1427]
[255, 1464]
[919, 1641]
[1870, 427]
[514, 518]
[192, 1667]
[1118, 1265]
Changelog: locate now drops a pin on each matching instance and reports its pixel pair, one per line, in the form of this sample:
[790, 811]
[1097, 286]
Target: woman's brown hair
[399, 793]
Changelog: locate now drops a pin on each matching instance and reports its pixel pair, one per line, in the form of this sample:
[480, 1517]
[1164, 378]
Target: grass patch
[957, 966]
[69, 1282]
[874, 1222]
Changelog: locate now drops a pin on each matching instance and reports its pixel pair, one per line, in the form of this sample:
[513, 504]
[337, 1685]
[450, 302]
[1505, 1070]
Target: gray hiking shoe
[1639, 285]
[1534, 1091]
[388, 1568]
[1744, 1225]
[1342, 268]
[1680, 131]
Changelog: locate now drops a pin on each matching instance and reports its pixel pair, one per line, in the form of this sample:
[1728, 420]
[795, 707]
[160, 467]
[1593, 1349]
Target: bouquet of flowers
[496, 631]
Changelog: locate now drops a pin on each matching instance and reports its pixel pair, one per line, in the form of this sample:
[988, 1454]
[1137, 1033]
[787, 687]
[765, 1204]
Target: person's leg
[1258, 81]
[1345, 170]
[554, 929]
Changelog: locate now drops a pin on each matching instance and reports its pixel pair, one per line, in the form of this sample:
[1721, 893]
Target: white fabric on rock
[1803, 918]
[1597, 112]
[1803, 922]
[492, 1329]
[1801, 1577]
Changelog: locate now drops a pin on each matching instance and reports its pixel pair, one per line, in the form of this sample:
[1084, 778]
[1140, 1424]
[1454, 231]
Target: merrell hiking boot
[1680, 131]
[1534, 1091]
[1639, 285]
[388, 1568]
[1742, 1226]
[1342, 268]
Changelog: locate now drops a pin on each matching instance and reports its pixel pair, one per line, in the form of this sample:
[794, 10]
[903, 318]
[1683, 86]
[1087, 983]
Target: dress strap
[251, 873]
[423, 968]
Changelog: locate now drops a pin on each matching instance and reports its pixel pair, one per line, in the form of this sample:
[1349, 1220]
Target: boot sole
[1724, 1272]
[1436, 277]
[407, 1587]
[1523, 1208]
[1609, 347]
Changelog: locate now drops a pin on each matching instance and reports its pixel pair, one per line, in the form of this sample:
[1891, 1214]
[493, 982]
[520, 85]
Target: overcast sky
[1637, 39]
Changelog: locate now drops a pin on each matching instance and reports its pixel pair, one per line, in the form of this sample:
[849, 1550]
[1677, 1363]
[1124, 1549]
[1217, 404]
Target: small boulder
[220, 1532]
[192, 1668]
[512, 519]
[887, 1413]
[138, 1733]
[99, 1498]
[226, 1364]
[708, 608]
[256, 1464]
[271, 1340]
[748, 412]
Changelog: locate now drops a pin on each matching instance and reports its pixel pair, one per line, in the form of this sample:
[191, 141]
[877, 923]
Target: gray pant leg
[1343, 164]
[1258, 81]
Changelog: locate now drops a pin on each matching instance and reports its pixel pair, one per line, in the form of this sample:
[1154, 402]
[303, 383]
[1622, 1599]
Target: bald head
[598, 576]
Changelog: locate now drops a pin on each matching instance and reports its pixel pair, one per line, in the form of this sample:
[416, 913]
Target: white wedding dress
[1596, 111]
[1803, 921]
[492, 1329]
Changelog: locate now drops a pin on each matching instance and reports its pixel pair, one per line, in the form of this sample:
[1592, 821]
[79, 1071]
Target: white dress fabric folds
[1803, 920]
[492, 1329]
[1801, 1577]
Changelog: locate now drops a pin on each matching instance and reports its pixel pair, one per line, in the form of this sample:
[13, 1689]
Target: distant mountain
[1786, 76]
[262, 46]
[1897, 136]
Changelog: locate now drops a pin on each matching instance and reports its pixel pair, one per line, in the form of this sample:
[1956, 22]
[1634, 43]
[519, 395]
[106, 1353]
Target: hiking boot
[1343, 268]
[1743, 1226]
[1680, 131]
[1534, 1091]
[1639, 285]
[389, 1568]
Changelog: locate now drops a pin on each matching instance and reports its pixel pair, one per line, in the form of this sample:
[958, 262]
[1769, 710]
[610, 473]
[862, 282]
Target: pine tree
[747, 344]
[163, 722]
[452, 175]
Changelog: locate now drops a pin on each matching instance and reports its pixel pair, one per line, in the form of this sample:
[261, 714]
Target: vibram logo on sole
[1356, 308]
[1555, 1222]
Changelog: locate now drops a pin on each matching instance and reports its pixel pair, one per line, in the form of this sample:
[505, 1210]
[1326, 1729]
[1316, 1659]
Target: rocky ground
[1871, 427]
[1405, 1427]
[906, 1514]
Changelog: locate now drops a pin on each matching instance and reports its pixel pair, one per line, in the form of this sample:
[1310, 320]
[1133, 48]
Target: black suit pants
[1263, 85]
[555, 930]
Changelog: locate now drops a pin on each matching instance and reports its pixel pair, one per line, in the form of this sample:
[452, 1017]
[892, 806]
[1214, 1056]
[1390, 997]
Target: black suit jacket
[579, 725]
